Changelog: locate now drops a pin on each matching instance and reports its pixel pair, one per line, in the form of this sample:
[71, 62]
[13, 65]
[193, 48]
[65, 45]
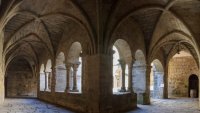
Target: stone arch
[157, 79]
[48, 71]
[122, 59]
[42, 78]
[60, 73]
[180, 66]
[75, 63]
[139, 72]
[20, 80]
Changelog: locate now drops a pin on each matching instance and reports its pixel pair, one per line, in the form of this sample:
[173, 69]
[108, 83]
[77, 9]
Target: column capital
[130, 64]
[68, 65]
[76, 65]
[121, 62]
[148, 66]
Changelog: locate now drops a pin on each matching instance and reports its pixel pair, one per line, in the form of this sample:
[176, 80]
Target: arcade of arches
[99, 56]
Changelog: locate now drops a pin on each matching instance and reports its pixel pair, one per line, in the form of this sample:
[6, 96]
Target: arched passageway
[181, 71]
[48, 77]
[60, 73]
[20, 80]
[156, 79]
[122, 61]
[74, 67]
[139, 74]
[193, 89]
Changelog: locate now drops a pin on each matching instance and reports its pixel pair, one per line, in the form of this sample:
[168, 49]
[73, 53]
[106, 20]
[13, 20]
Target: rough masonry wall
[20, 81]
[180, 69]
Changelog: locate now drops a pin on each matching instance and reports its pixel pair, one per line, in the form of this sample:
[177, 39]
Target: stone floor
[29, 106]
[175, 105]
[183, 105]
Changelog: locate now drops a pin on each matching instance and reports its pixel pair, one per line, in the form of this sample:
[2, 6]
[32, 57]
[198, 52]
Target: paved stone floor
[29, 106]
[176, 105]
[183, 105]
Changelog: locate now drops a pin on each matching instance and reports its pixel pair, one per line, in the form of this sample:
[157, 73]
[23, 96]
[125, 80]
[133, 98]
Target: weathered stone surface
[180, 69]
[39, 30]
[173, 105]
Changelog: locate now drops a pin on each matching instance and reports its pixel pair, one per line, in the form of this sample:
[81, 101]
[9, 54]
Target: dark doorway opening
[193, 90]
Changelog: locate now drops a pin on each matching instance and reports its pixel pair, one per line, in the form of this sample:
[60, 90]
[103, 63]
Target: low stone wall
[78, 102]
[124, 102]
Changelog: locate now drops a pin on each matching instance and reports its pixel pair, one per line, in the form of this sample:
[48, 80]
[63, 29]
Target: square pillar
[143, 97]
[98, 83]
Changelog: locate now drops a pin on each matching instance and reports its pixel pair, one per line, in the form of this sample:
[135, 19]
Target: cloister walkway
[175, 105]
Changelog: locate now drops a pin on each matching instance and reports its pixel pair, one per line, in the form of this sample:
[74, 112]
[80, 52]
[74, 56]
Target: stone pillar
[53, 83]
[68, 68]
[130, 77]
[75, 69]
[147, 95]
[123, 67]
[144, 98]
[165, 79]
[45, 84]
[98, 83]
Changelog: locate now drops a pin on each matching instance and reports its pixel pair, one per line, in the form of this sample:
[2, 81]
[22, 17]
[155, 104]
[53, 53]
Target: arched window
[48, 73]
[74, 68]
[42, 78]
[121, 60]
[60, 73]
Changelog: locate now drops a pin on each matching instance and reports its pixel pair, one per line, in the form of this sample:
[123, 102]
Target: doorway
[193, 89]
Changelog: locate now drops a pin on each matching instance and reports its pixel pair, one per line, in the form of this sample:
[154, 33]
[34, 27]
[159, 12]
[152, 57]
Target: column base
[143, 98]
[67, 90]
[122, 90]
[74, 90]
[47, 90]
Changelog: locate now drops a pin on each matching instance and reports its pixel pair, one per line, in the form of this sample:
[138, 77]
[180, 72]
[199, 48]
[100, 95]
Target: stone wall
[180, 69]
[20, 81]
[2, 70]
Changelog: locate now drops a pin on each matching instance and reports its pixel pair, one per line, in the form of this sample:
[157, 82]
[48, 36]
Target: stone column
[130, 77]
[123, 67]
[98, 83]
[147, 92]
[75, 68]
[53, 83]
[45, 86]
[68, 68]
[165, 79]
[144, 96]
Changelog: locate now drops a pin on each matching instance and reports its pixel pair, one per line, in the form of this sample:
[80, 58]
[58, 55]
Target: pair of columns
[47, 75]
[123, 67]
[75, 69]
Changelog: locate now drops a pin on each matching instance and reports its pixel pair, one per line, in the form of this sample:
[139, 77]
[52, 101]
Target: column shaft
[130, 77]
[123, 67]
[75, 69]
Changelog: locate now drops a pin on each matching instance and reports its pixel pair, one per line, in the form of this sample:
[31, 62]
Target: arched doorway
[60, 73]
[139, 75]
[74, 67]
[193, 89]
[121, 66]
[156, 79]
[20, 80]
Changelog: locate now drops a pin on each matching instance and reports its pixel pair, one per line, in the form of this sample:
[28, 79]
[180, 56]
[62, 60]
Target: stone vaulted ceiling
[34, 26]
